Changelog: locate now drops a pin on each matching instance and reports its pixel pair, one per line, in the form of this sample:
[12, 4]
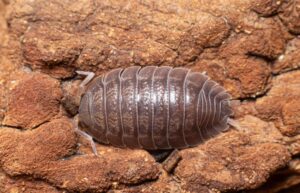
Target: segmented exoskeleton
[154, 108]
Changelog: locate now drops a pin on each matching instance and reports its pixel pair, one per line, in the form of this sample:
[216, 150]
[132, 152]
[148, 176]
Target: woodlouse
[154, 108]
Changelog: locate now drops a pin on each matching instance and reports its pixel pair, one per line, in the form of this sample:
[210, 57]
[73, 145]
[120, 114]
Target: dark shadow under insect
[160, 155]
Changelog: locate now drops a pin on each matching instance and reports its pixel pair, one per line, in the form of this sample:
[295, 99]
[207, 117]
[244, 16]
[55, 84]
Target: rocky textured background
[251, 47]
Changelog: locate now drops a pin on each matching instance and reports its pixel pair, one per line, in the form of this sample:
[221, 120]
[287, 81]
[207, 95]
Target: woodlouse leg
[86, 136]
[88, 78]
[171, 162]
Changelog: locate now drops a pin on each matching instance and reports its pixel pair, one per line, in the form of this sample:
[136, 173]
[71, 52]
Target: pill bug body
[154, 108]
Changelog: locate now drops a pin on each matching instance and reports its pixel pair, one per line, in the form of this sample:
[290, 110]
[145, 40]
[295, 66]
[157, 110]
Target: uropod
[153, 108]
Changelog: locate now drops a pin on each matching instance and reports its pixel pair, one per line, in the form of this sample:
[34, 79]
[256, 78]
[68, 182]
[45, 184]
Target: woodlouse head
[84, 112]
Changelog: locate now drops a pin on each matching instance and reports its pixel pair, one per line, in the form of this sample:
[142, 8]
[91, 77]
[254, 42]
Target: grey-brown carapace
[154, 108]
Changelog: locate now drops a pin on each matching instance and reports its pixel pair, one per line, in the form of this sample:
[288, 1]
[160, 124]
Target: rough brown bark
[250, 47]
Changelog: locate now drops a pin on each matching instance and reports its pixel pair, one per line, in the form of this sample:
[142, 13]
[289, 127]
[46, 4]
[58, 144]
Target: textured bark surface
[250, 47]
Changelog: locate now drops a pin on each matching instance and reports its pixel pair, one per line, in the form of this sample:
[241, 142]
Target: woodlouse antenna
[85, 135]
[89, 138]
[234, 124]
[88, 78]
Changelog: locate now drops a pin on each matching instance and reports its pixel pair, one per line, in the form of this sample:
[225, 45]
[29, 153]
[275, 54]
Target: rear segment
[213, 109]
